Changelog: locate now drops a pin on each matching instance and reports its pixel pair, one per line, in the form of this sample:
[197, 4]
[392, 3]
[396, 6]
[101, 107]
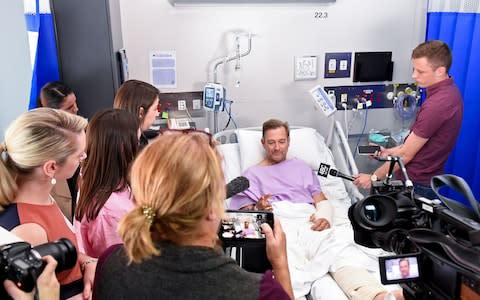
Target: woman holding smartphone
[171, 236]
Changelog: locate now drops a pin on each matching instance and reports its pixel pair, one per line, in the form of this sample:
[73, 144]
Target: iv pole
[224, 60]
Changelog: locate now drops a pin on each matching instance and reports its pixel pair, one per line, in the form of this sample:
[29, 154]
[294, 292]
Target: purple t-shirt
[291, 180]
[439, 120]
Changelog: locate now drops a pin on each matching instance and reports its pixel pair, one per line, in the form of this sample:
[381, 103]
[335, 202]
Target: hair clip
[148, 213]
[4, 153]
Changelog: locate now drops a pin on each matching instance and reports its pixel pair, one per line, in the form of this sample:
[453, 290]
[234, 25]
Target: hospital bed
[241, 148]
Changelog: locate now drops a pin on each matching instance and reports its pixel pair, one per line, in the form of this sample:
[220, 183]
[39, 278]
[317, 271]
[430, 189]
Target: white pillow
[231, 161]
[305, 144]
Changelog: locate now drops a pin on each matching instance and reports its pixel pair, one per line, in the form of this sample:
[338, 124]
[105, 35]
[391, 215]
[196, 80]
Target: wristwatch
[374, 177]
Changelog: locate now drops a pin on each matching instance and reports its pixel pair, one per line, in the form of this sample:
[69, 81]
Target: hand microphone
[237, 185]
[324, 170]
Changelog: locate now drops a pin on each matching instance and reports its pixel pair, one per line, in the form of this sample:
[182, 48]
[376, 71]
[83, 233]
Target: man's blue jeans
[424, 191]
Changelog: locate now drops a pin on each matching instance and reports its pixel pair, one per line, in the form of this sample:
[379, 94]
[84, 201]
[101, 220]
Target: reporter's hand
[319, 224]
[47, 284]
[363, 181]
[263, 203]
[277, 254]
[276, 243]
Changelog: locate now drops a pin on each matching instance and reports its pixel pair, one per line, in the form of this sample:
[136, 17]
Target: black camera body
[22, 263]
[445, 244]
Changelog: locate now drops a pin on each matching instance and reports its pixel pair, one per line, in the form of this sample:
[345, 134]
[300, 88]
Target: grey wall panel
[88, 37]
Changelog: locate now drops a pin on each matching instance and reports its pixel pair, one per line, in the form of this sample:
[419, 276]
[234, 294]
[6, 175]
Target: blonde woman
[170, 238]
[58, 95]
[42, 146]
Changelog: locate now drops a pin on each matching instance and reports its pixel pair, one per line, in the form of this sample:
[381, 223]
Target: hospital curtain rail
[457, 23]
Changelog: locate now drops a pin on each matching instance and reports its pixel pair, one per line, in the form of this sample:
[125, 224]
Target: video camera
[22, 263]
[439, 239]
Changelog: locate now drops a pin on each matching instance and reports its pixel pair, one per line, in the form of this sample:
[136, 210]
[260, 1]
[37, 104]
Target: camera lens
[371, 212]
[63, 251]
[375, 211]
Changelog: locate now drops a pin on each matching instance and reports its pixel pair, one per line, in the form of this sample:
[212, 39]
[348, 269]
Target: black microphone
[324, 170]
[237, 185]
[337, 173]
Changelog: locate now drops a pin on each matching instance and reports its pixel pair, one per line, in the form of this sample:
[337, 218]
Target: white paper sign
[305, 67]
[163, 69]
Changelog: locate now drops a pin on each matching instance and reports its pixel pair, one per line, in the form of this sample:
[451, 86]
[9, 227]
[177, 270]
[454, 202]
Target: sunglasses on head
[190, 131]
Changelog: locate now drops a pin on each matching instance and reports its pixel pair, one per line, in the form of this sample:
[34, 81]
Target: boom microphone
[324, 170]
[237, 185]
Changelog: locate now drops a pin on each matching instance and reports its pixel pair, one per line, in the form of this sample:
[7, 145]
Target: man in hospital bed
[291, 189]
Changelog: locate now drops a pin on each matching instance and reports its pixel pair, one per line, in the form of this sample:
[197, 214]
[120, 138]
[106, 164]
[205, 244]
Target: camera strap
[461, 255]
[460, 186]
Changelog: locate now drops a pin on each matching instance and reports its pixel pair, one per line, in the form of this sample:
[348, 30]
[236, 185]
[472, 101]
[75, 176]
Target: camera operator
[47, 284]
[436, 127]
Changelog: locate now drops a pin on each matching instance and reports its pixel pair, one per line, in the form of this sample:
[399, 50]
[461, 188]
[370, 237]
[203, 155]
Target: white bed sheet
[309, 145]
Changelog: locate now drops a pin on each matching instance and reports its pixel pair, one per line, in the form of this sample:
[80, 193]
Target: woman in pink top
[105, 196]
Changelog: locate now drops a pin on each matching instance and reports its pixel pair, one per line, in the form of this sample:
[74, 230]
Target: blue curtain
[45, 67]
[461, 31]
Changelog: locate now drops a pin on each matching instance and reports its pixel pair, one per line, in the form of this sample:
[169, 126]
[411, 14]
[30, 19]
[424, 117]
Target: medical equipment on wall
[405, 107]
[215, 89]
[323, 100]
[213, 97]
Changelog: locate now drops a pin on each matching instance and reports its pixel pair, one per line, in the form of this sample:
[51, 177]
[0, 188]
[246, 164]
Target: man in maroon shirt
[434, 132]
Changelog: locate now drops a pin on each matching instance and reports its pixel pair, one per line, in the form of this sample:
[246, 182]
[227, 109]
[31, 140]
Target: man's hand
[363, 181]
[319, 224]
[263, 203]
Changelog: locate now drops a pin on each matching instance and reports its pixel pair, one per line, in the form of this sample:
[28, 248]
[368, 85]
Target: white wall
[201, 34]
[15, 70]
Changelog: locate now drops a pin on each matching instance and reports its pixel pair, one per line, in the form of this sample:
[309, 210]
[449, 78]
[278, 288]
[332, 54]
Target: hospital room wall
[267, 89]
[15, 71]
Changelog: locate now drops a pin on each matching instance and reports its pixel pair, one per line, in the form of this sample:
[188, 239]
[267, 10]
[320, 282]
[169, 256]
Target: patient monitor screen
[244, 225]
[209, 97]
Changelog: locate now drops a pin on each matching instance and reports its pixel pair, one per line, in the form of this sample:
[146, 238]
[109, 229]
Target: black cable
[229, 111]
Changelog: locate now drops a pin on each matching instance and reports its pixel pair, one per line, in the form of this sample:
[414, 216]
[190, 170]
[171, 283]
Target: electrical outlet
[197, 104]
[182, 105]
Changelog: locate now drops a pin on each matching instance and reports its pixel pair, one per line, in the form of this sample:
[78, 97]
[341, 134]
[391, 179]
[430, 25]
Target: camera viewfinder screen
[401, 268]
[244, 225]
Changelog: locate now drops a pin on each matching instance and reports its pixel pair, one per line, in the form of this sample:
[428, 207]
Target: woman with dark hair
[58, 95]
[141, 99]
[105, 194]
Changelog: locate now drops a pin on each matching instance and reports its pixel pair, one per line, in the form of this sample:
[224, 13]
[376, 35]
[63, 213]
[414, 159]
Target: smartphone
[368, 149]
[242, 225]
[399, 268]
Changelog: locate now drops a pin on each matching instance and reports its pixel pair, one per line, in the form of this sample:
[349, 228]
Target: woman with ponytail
[171, 248]
[42, 146]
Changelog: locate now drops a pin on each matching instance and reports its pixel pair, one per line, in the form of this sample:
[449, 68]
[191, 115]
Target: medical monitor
[373, 66]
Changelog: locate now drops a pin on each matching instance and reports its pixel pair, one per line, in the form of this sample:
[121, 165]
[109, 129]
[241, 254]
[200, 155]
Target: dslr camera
[435, 242]
[22, 263]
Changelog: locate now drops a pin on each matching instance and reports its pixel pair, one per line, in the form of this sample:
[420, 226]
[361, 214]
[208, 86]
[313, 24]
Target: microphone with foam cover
[237, 185]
